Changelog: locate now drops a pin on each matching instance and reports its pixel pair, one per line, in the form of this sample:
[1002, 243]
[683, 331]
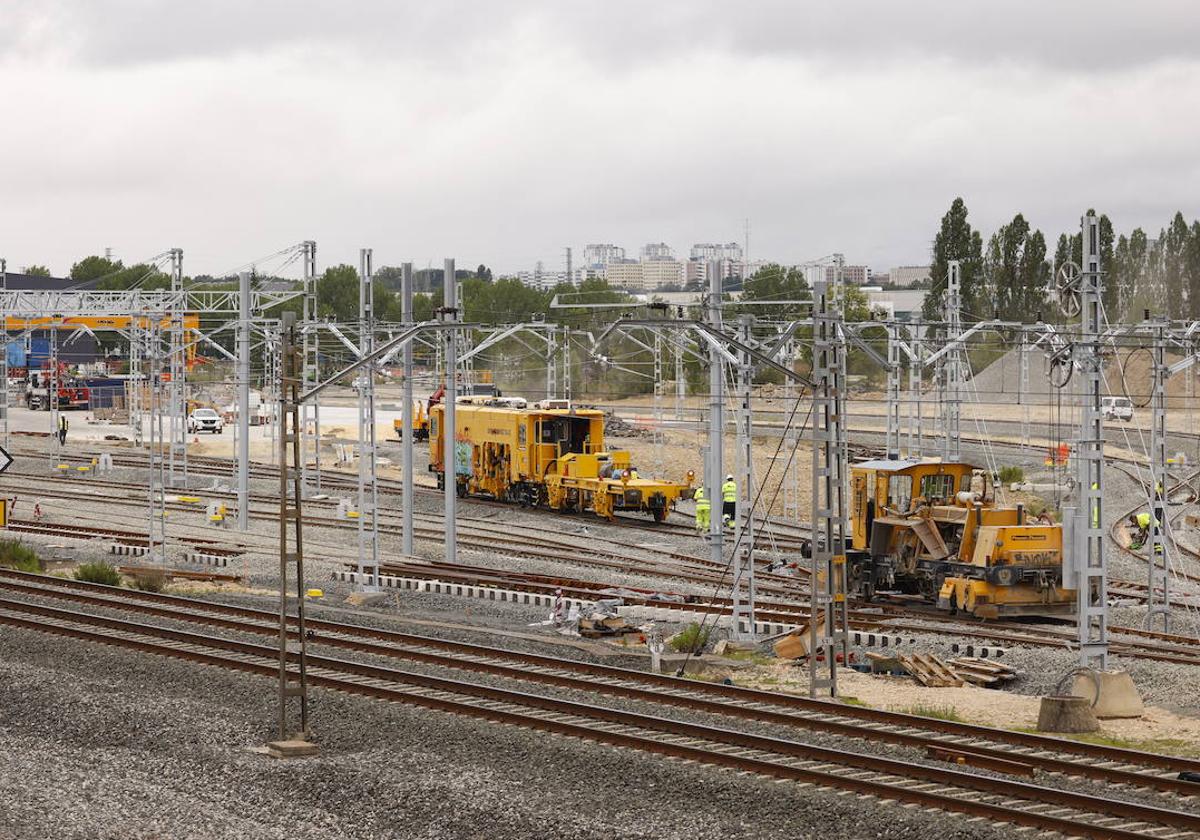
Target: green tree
[1173, 243]
[338, 294]
[93, 268]
[1191, 269]
[36, 271]
[1017, 271]
[955, 240]
[774, 282]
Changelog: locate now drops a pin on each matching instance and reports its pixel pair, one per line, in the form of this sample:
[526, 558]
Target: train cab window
[937, 487]
[899, 492]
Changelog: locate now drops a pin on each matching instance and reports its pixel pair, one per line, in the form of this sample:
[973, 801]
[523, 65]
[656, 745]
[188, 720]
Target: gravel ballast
[103, 743]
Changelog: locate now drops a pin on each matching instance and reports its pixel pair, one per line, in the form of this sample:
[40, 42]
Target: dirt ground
[989, 707]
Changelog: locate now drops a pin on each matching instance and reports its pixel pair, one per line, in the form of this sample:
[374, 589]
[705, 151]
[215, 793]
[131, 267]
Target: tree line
[1013, 279]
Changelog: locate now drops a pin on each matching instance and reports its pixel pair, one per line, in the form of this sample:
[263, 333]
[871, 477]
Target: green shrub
[16, 555]
[150, 580]
[690, 639]
[936, 712]
[98, 573]
[1008, 475]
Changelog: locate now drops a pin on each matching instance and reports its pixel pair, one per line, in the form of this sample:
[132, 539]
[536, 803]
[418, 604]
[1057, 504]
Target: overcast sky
[501, 132]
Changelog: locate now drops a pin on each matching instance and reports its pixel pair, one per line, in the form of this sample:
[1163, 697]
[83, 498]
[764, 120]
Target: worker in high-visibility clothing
[703, 510]
[729, 500]
[1141, 522]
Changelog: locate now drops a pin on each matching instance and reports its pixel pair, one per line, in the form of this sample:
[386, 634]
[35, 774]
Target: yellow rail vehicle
[935, 529]
[549, 454]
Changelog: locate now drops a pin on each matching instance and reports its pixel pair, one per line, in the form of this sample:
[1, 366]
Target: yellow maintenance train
[550, 454]
[934, 529]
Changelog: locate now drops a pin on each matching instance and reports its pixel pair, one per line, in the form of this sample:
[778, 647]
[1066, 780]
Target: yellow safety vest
[729, 491]
[1143, 520]
[702, 502]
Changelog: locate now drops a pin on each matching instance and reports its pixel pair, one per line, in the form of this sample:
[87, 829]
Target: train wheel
[660, 514]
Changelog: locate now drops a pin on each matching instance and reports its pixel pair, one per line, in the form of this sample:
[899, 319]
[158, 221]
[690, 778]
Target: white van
[1117, 408]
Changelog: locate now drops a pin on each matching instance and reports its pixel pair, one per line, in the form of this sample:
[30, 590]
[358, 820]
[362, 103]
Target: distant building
[600, 255]
[659, 272]
[701, 270]
[897, 304]
[657, 251]
[907, 276]
[731, 251]
[854, 275]
[626, 274]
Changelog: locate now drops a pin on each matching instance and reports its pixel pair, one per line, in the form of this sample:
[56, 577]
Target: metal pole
[743, 575]
[1023, 395]
[310, 412]
[680, 383]
[828, 621]
[243, 385]
[368, 497]
[406, 501]
[450, 432]
[893, 391]
[716, 426]
[292, 642]
[952, 370]
[177, 394]
[1158, 601]
[52, 384]
[1088, 558]
[915, 376]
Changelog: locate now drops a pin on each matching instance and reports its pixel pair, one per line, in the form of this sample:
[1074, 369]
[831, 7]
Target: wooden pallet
[930, 671]
[985, 672]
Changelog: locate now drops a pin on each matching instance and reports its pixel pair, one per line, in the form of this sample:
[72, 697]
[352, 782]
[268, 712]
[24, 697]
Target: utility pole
[1088, 558]
[449, 315]
[569, 278]
[310, 412]
[1158, 601]
[551, 362]
[716, 424]
[406, 415]
[952, 368]
[828, 631]
[368, 492]
[243, 385]
[743, 561]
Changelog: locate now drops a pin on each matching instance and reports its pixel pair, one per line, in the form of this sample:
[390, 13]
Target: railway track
[1003, 754]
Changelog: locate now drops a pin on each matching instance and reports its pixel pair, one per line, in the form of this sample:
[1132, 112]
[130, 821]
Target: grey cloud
[1079, 35]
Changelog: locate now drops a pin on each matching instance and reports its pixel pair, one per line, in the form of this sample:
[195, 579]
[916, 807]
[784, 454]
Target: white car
[1117, 408]
[205, 420]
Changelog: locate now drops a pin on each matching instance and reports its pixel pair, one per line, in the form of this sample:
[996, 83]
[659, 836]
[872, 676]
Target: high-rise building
[660, 272]
[657, 251]
[626, 274]
[731, 251]
[599, 255]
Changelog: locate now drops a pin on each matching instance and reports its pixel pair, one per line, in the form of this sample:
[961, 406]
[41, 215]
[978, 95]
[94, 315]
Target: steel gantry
[310, 413]
[951, 373]
[1090, 564]
[828, 622]
[177, 394]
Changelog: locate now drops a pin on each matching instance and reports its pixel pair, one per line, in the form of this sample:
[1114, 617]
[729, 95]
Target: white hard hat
[729, 477]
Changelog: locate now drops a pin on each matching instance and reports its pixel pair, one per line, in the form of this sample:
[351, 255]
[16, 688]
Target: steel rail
[888, 779]
[748, 703]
